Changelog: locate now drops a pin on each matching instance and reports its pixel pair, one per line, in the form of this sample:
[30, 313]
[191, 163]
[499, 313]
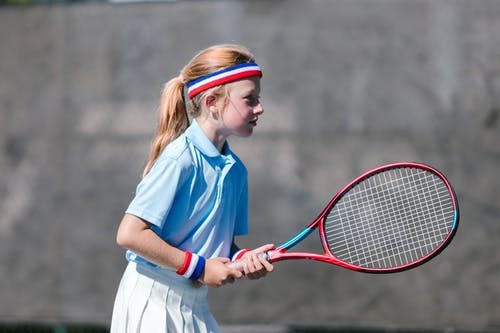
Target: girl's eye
[252, 100]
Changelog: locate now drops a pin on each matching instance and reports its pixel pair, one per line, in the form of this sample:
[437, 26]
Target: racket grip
[239, 265]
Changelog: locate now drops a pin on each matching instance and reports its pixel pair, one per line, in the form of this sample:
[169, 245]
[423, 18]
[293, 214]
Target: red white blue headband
[223, 76]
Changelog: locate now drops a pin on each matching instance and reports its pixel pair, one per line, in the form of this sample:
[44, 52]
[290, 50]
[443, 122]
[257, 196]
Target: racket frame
[280, 253]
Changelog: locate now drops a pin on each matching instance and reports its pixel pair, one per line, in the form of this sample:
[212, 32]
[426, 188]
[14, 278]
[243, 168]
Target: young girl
[193, 199]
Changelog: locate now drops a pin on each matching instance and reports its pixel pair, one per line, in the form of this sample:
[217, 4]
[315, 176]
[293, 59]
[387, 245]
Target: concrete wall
[348, 85]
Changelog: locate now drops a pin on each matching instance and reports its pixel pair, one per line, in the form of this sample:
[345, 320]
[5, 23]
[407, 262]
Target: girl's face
[242, 108]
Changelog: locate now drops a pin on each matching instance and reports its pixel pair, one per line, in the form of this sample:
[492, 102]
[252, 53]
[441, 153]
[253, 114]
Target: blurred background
[348, 85]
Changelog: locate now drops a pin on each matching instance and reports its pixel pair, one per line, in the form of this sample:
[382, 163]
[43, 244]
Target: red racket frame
[280, 253]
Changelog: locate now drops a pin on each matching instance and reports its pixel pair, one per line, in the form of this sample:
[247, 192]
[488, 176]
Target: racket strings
[397, 233]
[391, 219]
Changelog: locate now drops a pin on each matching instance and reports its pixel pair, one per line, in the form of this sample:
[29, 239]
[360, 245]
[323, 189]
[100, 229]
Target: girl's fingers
[255, 269]
[263, 248]
[256, 262]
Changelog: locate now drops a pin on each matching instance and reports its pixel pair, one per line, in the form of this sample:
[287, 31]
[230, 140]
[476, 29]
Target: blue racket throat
[297, 239]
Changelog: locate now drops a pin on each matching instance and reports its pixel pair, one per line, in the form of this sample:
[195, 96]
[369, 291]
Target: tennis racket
[389, 219]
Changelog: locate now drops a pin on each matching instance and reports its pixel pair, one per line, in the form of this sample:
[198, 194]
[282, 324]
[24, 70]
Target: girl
[193, 199]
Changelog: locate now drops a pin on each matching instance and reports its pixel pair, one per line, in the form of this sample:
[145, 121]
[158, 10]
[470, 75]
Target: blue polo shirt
[195, 197]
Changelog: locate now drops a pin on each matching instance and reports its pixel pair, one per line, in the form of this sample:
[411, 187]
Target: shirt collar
[196, 135]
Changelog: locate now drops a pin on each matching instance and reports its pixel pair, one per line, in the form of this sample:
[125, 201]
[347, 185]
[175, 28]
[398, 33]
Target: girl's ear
[211, 104]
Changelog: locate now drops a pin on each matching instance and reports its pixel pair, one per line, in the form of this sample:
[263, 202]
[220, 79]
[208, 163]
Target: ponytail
[173, 119]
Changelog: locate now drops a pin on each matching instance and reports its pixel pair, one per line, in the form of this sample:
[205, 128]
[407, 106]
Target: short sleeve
[156, 192]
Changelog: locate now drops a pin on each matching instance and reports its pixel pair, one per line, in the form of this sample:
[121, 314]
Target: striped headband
[223, 76]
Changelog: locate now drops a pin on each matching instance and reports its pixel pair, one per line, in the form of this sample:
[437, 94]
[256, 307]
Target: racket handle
[239, 265]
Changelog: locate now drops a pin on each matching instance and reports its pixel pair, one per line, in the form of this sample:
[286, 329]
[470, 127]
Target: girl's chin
[245, 133]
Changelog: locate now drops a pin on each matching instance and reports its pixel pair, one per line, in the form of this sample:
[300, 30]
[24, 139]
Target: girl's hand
[216, 273]
[256, 266]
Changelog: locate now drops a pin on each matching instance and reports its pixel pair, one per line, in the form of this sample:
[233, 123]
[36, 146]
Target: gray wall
[348, 85]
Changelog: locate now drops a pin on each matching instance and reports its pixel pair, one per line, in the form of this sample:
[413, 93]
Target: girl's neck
[213, 134]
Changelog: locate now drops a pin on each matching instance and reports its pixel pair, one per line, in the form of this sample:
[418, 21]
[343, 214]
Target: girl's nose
[259, 109]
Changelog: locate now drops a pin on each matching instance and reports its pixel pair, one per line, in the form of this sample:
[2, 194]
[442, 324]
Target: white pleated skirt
[157, 300]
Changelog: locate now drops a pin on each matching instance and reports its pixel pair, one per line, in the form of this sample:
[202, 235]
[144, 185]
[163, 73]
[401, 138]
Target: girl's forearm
[135, 234]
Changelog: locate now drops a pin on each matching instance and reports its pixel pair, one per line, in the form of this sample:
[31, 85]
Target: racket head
[389, 219]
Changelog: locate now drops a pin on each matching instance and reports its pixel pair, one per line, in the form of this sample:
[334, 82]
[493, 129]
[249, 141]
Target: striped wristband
[238, 254]
[193, 266]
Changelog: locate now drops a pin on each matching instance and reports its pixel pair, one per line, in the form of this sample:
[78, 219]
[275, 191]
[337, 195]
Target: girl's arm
[135, 234]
